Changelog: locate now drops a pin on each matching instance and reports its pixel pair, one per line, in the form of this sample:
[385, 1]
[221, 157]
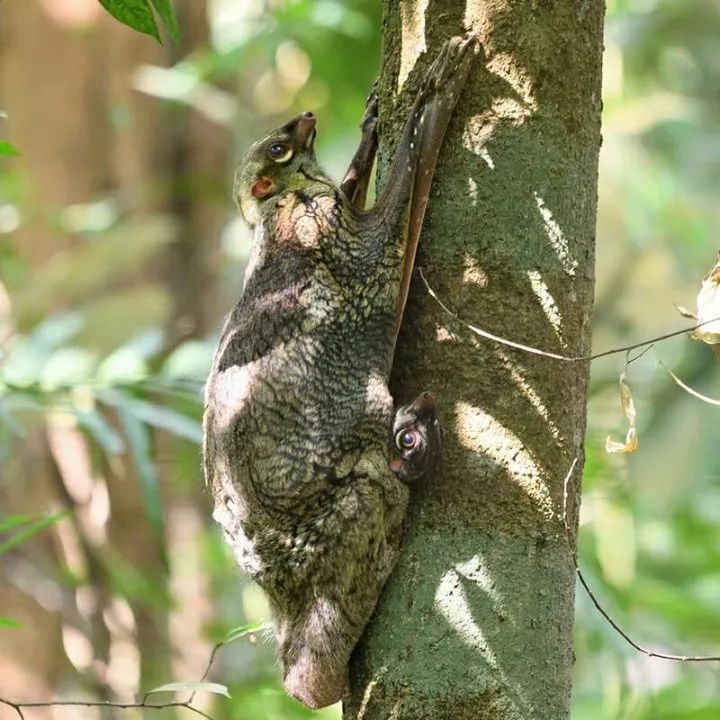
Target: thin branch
[19, 706]
[209, 665]
[544, 353]
[630, 360]
[601, 609]
[688, 389]
[14, 706]
[222, 644]
[144, 704]
[630, 641]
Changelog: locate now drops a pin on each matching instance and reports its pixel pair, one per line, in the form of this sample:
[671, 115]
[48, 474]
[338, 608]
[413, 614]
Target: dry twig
[596, 602]
[144, 703]
[544, 353]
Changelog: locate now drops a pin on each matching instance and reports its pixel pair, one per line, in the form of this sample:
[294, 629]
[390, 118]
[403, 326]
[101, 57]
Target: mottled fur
[298, 410]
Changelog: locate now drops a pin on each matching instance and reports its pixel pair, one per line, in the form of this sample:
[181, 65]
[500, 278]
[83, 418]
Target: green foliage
[244, 630]
[25, 527]
[7, 148]
[138, 14]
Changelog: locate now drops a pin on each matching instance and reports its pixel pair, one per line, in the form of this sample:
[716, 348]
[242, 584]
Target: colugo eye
[280, 152]
[406, 439]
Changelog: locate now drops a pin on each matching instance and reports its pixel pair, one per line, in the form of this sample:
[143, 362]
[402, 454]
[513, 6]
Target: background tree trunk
[67, 83]
[476, 621]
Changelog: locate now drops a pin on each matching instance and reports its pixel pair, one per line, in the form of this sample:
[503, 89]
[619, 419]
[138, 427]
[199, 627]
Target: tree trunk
[66, 82]
[476, 621]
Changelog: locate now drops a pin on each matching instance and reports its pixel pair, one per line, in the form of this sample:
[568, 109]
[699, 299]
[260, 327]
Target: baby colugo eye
[406, 439]
[280, 152]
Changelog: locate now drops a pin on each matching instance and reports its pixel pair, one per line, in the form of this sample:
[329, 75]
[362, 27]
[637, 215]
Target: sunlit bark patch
[476, 570]
[473, 273]
[547, 302]
[519, 79]
[442, 334]
[483, 434]
[513, 109]
[451, 602]
[413, 37]
[477, 131]
[369, 690]
[528, 392]
[485, 156]
[556, 236]
[472, 191]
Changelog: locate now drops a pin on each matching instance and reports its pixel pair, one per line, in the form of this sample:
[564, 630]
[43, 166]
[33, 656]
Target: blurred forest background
[120, 252]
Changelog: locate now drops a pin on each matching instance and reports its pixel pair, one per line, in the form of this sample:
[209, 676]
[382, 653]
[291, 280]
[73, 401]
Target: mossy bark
[476, 621]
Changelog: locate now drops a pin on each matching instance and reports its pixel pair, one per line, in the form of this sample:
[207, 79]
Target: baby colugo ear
[416, 439]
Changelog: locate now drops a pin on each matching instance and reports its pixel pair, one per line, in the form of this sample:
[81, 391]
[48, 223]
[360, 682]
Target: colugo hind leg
[401, 206]
[416, 436]
[317, 633]
[402, 203]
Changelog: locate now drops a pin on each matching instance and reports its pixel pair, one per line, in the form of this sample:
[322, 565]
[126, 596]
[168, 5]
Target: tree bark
[476, 621]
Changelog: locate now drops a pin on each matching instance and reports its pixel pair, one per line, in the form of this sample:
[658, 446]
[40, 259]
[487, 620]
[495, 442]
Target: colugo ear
[262, 188]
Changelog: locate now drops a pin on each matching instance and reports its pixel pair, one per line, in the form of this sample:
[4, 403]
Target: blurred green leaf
[210, 687]
[67, 367]
[138, 438]
[6, 622]
[191, 360]
[100, 430]
[9, 523]
[244, 630]
[122, 366]
[34, 528]
[156, 415]
[26, 356]
[7, 149]
[136, 14]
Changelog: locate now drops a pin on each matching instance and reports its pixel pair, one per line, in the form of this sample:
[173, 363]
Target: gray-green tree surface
[476, 621]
